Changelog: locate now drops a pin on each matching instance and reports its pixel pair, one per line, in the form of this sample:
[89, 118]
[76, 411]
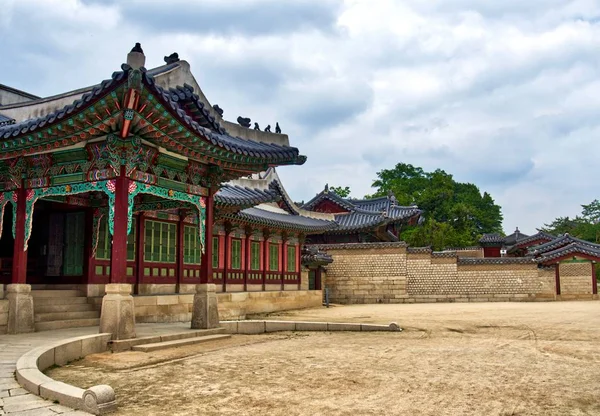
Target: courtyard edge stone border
[98, 400]
[249, 327]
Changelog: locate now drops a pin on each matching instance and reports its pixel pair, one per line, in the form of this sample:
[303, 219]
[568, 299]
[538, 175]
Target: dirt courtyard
[451, 359]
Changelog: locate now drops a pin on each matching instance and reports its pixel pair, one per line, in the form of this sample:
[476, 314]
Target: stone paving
[14, 400]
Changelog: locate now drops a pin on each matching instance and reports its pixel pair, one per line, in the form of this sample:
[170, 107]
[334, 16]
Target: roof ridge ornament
[136, 58]
[137, 48]
[171, 59]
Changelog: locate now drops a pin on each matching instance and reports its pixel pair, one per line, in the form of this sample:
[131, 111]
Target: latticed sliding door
[74, 242]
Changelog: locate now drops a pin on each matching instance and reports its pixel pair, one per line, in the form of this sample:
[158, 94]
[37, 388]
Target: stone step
[179, 343]
[71, 323]
[55, 293]
[70, 307]
[61, 316]
[48, 286]
[59, 301]
[127, 344]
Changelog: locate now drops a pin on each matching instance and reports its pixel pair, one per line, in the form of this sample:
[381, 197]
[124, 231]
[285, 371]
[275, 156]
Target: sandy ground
[451, 359]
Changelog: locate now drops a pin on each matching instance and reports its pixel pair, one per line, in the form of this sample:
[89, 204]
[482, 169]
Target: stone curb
[251, 327]
[98, 400]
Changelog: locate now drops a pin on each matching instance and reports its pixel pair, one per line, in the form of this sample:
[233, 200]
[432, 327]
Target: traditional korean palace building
[138, 186]
[361, 220]
[547, 250]
[117, 187]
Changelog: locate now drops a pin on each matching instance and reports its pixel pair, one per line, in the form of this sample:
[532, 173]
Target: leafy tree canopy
[455, 214]
[585, 226]
[343, 192]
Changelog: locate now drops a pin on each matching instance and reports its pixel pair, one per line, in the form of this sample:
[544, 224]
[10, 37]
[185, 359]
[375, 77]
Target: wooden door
[74, 244]
[56, 229]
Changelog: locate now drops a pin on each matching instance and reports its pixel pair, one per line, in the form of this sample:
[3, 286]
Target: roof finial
[326, 190]
[137, 48]
[171, 59]
[136, 58]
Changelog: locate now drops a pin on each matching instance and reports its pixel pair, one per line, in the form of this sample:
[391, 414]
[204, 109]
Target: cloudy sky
[503, 94]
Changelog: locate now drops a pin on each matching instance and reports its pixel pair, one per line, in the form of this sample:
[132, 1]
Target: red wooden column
[179, 253]
[265, 258]
[139, 251]
[118, 259]
[301, 239]
[19, 267]
[227, 251]
[557, 277]
[247, 255]
[206, 262]
[283, 246]
[594, 281]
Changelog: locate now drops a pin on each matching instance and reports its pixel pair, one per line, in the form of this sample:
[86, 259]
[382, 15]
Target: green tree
[341, 192]
[455, 214]
[585, 226]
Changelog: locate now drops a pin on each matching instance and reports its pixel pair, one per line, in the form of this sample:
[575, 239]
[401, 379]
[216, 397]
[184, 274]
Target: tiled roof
[515, 237]
[495, 260]
[32, 125]
[244, 196]
[442, 254]
[570, 249]
[360, 246]
[280, 220]
[561, 241]
[191, 102]
[418, 250]
[491, 238]
[273, 152]
[331, 196]
[313, 256]
[5, 121]
[363, 213]
[541, 235]
[178, 106]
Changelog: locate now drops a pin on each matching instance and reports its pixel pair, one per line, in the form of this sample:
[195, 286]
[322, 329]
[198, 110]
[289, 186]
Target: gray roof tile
[561, 241]
[244, 197]
[279, 220]
[570, 249]
[363, 213]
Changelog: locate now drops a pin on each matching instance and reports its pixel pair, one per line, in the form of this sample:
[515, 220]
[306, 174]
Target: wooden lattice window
[291, 258]
[236, 254]
[255, 255]
[161, 242]
[215, 252]
[103, 250]
[273, 257]
[191, 245]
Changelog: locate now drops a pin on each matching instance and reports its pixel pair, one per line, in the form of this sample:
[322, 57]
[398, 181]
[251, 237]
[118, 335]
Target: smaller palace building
[568, 255]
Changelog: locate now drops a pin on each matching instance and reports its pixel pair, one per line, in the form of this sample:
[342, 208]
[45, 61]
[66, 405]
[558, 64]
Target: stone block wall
[178, 308]
[394, 273]
[3, 315]
[575, 279]
[361, 274]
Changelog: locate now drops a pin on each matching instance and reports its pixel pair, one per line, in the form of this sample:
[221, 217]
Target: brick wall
[575, 279]
[395, 273]
[367, 275]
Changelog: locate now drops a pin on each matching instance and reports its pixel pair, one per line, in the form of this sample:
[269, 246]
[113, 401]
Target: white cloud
[503, 94]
